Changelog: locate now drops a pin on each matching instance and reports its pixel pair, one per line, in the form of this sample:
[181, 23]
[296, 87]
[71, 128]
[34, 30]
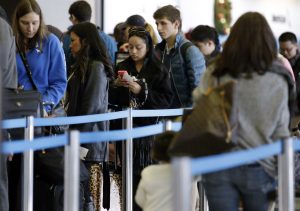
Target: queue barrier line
[13, 123]
[157, 112]
[296, 144]
[41, 122]
[18, 146]
[232, 159]
[121, 135]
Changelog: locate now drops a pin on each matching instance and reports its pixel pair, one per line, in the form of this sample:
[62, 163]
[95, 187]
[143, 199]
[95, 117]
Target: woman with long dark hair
[250, 57]
[87, 89]
[146, 85]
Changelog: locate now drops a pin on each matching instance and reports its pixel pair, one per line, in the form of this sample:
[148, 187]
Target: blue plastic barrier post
[182, 180]
[28, 167]
[286, 177]
[129, 163]
[71, 177]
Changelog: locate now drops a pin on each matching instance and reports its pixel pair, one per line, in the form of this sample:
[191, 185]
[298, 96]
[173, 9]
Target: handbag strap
[27, 68]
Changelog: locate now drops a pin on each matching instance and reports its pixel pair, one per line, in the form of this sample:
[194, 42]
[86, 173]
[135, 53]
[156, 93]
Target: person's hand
[124, 47]
[120, 82]
[134, 87]
[10, 157]
[45, 114]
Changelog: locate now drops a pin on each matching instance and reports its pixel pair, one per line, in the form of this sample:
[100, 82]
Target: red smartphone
[122, 72]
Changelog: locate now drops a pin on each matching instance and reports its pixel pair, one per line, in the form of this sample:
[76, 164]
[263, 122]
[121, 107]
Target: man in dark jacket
[185, 65]
[289, 49]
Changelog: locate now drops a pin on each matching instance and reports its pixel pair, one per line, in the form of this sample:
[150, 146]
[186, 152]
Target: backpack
[183, 49]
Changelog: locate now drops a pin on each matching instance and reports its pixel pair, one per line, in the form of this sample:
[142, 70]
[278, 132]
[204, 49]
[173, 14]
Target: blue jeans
[247, 184]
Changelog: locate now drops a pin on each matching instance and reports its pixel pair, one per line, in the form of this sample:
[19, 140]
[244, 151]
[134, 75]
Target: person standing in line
[185, 66]
[146, 85]
[206, 39]
[9, 79]
[42, 51]
[264, 88]
[81, 11]
[289, 49]
[46, 61]
[87, 90]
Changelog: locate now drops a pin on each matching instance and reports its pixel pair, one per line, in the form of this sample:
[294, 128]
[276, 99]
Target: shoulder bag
[210, 127]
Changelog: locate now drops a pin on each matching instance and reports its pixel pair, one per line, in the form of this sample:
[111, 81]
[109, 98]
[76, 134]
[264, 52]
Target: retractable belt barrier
[185, 168]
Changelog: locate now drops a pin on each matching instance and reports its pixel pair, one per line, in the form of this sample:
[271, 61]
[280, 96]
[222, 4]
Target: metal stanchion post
[167, 125]
[286, 177]
[182, 180]
[28, 168]
[124, 168]
[129, 164]
[72, 172]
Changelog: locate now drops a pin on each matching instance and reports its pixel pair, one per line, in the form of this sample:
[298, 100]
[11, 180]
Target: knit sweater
[263, 113]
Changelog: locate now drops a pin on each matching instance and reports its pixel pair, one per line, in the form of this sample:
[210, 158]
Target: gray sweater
[263, 113]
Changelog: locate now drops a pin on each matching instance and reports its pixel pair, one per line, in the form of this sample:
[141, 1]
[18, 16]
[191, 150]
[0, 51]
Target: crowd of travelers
[95, 73]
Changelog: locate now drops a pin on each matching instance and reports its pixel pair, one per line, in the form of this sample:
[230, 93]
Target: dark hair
[288, 36]
[160, 146]
[135, 20]
[81, 10]
[92, 48]
[56, 31]
[170, 12]
[153, 62]
[23, 8]
[250, 47]
[119, 33]
[204, 33]
[142, 33]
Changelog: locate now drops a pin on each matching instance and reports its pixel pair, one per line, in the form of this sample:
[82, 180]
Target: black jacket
[90, 97]
[156, 90]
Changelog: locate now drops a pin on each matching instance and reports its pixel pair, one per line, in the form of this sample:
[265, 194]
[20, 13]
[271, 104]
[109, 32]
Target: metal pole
[182, 181]
[286, 177]
[28, 167]
[124, 167]
[72, 172]
[167, 125]
[129, 166]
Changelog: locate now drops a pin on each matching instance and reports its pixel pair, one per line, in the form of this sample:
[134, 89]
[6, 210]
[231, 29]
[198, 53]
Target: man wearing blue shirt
[81, 11]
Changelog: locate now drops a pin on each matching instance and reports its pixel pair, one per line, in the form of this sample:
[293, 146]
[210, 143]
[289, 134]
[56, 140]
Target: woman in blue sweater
[43, 52]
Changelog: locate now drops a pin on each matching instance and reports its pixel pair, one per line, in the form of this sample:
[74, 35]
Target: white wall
[194, 12]
[56, 12]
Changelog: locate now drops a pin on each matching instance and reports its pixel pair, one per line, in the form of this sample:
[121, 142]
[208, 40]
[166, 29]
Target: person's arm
[95, 91]
[283, 118]
[57, 76]
[195, 66]
[140, 195]
[8, 56]
[160, 93]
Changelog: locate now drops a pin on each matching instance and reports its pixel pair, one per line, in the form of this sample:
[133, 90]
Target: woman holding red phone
[146, 85]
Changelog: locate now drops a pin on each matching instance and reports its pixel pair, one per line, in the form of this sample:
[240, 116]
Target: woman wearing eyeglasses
[145, 85]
